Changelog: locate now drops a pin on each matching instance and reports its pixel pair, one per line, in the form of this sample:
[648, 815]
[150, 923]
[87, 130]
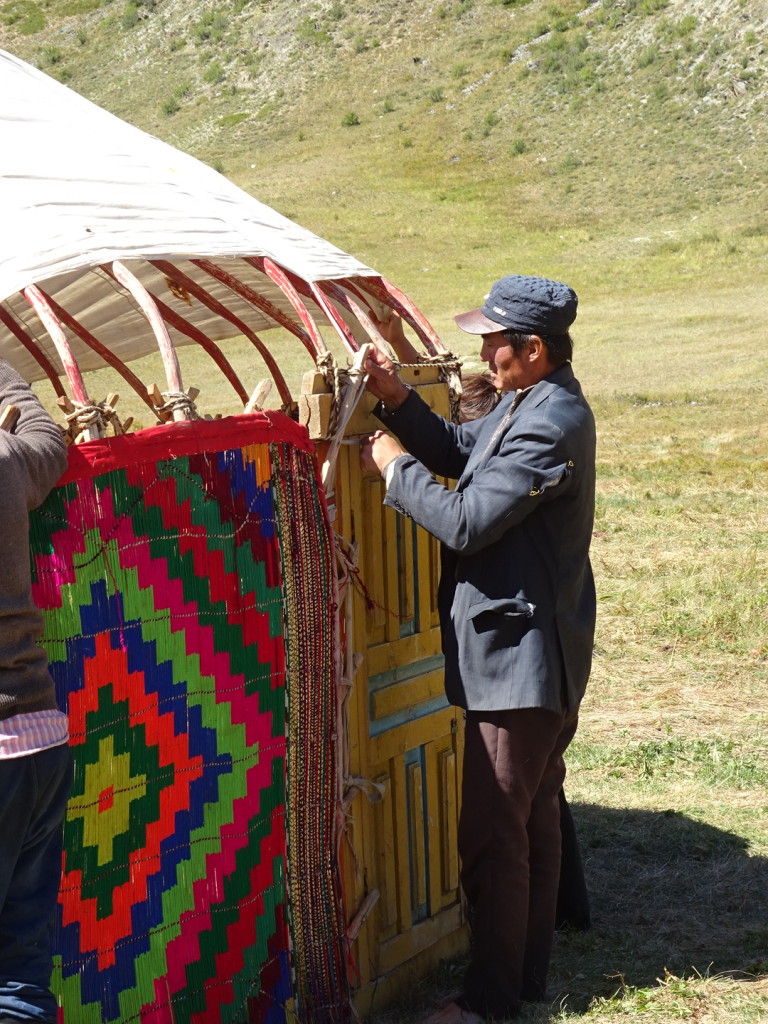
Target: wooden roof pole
[181, 404]
[212, 303]
[251, 295]
[34, 350]
[281, 279]
[310, 291]
[349, 303]
[195, 334]
[349, 283]
[360, 295]
[92, 423]
[183, 326]
[93, 343]
[387, 293]
[342, 328]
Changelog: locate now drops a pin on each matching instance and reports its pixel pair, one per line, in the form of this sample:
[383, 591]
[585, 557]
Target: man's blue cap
[532, 305]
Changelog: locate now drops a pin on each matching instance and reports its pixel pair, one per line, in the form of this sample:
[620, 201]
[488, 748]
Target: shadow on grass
[668, 894]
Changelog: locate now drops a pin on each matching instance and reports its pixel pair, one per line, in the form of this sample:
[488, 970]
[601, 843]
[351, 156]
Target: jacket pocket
[508, 607]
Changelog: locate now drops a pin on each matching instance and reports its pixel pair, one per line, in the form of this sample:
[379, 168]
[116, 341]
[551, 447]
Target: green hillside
[620, 144]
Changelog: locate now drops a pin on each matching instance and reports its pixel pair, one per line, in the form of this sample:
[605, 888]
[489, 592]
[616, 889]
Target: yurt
[262, 826]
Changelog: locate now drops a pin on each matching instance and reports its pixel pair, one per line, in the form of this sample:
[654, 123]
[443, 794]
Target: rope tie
[84, 416]
[348, 388]
[449, 367]
[174, 401]
[94, 417]
[337, 379]
[110, 415]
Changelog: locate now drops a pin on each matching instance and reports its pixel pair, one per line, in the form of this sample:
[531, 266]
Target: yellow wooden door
[400, 857]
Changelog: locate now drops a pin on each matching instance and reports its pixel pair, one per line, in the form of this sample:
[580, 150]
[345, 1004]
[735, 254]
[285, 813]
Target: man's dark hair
[479, 396]
[559, 346]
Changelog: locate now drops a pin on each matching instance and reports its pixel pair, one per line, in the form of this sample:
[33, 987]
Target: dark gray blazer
[517, 598]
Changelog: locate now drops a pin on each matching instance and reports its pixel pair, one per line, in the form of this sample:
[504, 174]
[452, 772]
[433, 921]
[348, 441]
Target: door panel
[403, 736]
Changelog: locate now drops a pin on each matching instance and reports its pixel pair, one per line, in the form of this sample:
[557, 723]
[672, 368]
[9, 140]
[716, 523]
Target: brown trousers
[509, 841]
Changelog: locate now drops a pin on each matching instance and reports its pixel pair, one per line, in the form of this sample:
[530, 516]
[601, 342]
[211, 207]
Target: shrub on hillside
[50, 55]
[25, 16]
[135, 10]
[214, 73]
[311, 31]
[211, 27]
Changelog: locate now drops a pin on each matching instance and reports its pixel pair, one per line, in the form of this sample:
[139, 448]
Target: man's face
[509, 370]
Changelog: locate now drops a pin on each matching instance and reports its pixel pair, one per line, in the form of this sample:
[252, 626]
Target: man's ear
[536, 349]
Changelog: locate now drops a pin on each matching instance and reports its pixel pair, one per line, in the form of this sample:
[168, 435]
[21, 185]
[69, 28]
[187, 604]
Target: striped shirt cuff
[32, 732]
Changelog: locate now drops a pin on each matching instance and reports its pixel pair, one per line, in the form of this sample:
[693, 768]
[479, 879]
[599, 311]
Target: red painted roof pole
[94, 427]
[34, 350]
[310, 290]
[251, 295]
[179, 409]
[337, 321]
[281, 279]
[349, 303]
[212, 303]
[93, 343]
[37, 301]
[387, 293]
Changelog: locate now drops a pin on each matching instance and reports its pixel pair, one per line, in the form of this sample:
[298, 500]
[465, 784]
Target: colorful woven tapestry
[186, 578]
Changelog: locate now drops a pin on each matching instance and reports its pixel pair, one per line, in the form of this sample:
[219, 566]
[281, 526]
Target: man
[517, 610]
[34, 756]
[480, 396]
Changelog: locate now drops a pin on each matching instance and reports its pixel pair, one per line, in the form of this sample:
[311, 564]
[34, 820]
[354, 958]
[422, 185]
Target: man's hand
[377, 451]
[392, 332]
[383, 381]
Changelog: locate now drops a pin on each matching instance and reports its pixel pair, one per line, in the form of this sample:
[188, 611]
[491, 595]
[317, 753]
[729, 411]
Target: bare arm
[392, 331]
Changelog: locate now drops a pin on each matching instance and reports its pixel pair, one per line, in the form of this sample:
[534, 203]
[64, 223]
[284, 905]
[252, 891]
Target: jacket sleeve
[443, 447]
[34, 455]
[530, 467]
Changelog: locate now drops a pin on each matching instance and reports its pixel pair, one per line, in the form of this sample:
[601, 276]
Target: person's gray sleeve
[528, 469]
[442, 446]
[34, 454]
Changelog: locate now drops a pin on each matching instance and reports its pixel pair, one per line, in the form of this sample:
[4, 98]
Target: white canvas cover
[80, 188]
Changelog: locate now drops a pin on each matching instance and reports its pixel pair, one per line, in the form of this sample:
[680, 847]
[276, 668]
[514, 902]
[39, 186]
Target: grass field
[619, 146]
[669, 770]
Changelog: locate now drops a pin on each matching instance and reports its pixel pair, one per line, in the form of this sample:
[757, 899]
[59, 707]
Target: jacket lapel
[506, 413]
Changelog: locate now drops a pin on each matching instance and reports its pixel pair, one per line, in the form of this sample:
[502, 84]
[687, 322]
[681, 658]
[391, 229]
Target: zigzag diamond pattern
[160, 583]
